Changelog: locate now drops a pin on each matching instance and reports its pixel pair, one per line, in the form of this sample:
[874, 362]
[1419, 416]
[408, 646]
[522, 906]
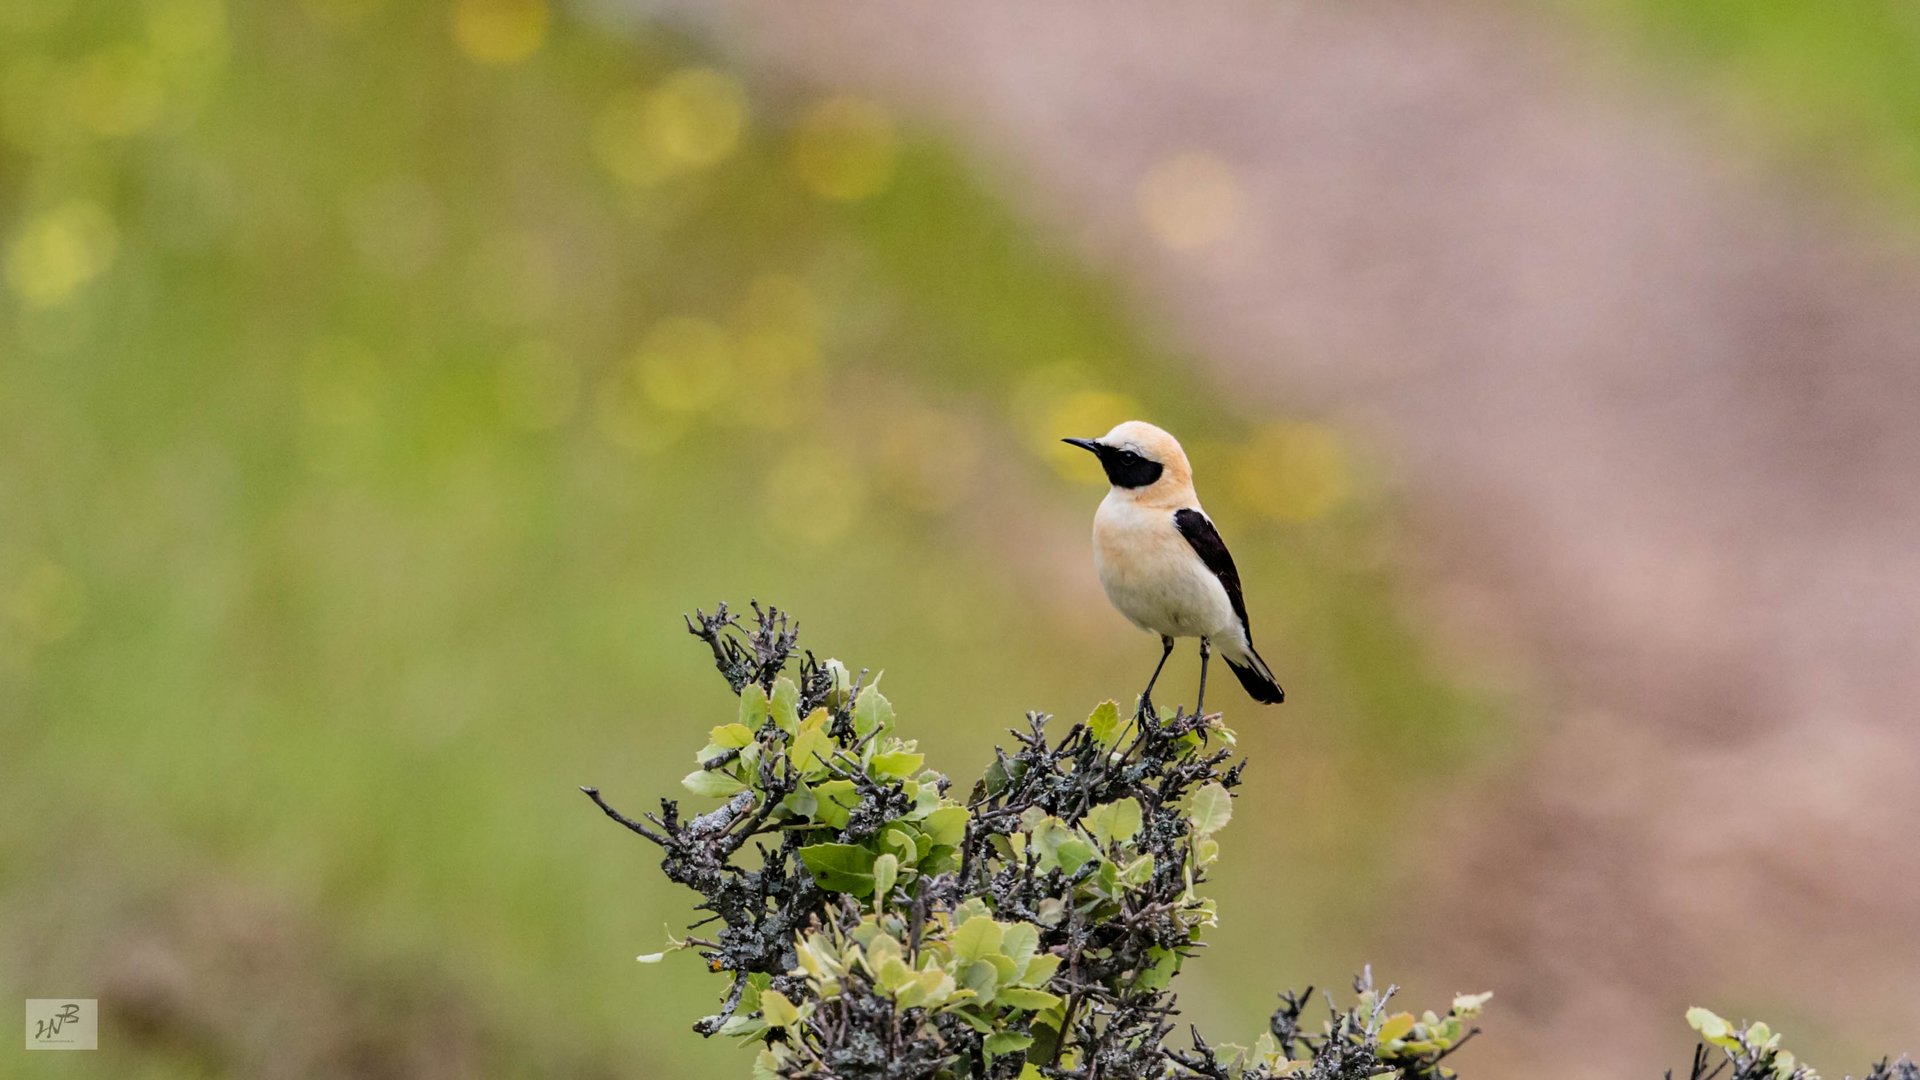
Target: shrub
[881, 928]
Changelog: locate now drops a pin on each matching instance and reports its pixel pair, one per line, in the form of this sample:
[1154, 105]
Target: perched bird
[1163, 563]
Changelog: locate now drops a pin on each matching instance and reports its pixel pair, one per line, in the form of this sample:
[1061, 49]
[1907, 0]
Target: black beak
[1085, 444]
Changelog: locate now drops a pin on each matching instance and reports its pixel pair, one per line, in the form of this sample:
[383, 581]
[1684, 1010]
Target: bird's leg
[1200, 704]
[1146, 696]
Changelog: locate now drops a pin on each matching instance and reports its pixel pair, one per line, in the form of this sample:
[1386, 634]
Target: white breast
[1152, 575]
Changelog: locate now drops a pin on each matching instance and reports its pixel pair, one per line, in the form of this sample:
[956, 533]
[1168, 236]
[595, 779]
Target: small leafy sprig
[1753, 1052]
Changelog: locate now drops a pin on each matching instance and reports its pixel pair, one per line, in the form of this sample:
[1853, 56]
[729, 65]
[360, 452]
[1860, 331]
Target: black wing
[1213, 551]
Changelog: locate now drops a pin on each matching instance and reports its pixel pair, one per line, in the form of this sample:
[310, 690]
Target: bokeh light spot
[1189, 201]
[684, 364]
[500, 31]
[1082, 414]
[625, 419]
[1293, 472]
[694, 117]
[844, 149]
[692, 120]
[61, 250]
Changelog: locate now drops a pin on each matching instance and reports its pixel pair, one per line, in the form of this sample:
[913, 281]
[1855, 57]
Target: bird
[1162, 562]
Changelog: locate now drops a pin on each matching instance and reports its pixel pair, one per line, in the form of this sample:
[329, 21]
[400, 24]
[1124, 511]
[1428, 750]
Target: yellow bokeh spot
[500, 31]
[1082, 414]
[845, 149]
[622, 142]
[692, 120]
[61, 250]
[694, 117]
[1293, 471]
[1189, 201]
[626, 420]
[814, 494]
[684, 365]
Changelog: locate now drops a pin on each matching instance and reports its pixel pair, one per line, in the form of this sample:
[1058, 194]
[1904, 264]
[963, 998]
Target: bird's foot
[1145, 711]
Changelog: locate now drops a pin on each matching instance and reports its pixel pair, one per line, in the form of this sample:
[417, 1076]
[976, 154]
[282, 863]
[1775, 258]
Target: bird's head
[1140, 458]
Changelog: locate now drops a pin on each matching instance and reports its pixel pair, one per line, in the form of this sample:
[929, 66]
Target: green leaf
[842, 682]
[1059, 846]
[1074, 853]
[1708, 1023]
[739, 1024]
[900, 839]
[1040, 969]
[1006, 1042]
[996, 779]
[1165, 963]
[1209, 809]
[837, 798]
[730, 736]
[1052, 911]
[975, 939]
[1105, 725]
[757, 983]
[1118, 821]
[871, 711]
[1019, 941]
[898, 764]
[777, 1011]
[940, 859]
[714, 782]
[946, 827]
[785, 705]
[800, 802]
[1021, 997]
[1138, 872]
[846, 868]
[1395, 1026]
[1468, 1006]
[812, 747]
[886, 870]
[753, 707]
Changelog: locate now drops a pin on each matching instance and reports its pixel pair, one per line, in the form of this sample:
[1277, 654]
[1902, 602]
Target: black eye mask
[1127, 469]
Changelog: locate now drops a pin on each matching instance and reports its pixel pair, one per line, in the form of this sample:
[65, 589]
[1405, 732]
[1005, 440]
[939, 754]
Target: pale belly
[1154, 578]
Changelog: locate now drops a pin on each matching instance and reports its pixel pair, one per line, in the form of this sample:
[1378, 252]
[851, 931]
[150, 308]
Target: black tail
[1258, 679]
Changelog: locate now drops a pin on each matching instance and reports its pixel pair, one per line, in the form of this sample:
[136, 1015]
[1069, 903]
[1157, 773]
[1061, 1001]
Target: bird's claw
[1146, 710]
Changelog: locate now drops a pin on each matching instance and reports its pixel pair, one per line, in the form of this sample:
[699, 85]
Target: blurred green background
[378, 384]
